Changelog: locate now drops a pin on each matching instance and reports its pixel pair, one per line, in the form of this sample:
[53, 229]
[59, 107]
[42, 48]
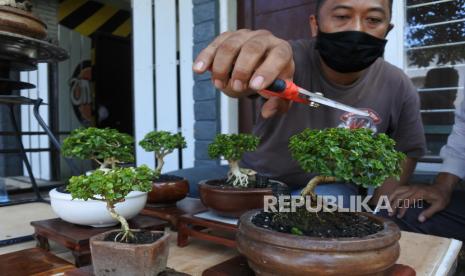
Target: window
[434, 51]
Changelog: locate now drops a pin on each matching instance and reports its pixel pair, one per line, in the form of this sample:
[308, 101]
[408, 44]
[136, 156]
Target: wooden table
[76, 237]
[213, 231]
[32, 261]
[171, 213]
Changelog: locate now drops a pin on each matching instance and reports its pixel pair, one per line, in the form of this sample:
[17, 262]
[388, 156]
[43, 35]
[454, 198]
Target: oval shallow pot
[115, 258]
[229, 201]
[272, 253]
[168, 192]
[21, 22]
[93, 212]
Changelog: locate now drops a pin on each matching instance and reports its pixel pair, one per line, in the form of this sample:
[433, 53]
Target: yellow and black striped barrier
[88, 17]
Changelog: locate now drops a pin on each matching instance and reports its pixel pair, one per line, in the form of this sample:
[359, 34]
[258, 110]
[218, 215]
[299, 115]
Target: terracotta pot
[115, 258]
[273, 253]
[168, 192]
[21, 22]
[229, 201]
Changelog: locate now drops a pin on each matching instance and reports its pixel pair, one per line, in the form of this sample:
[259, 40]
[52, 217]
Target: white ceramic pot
[93, 212]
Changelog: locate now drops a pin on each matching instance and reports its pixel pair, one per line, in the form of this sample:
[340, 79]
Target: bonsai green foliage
[111, 187]
[162, 143]
[352, 155]
[107, 147]
[231, 147]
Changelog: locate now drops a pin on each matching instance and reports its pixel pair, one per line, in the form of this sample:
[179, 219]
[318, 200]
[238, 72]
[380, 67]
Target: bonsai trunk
[160, 163]
[125, 231]
[310, 188]
[239, 179]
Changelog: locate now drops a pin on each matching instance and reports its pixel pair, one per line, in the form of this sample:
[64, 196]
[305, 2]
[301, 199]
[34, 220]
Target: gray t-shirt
[384, 90]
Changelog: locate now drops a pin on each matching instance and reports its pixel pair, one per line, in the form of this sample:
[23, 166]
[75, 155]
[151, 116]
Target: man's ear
[391, 26]
[313, 25]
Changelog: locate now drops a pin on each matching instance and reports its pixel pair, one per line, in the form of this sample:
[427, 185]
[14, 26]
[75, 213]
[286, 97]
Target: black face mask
[350, 51]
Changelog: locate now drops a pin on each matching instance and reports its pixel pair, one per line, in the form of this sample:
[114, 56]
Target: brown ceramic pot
[168, 192]
[229, 201]
[273, 253]
[21, 22]
[115, 258]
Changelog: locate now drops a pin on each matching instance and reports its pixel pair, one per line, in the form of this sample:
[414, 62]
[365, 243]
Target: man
[343, 61]
[444, 215]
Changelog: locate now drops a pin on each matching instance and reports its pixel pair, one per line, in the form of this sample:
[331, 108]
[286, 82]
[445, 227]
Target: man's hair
[319, 3]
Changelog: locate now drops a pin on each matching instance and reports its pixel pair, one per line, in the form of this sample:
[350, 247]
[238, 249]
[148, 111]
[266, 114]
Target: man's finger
[205, 58]
[226, 56]
[279, 59]
[274, 106]
[436, 206]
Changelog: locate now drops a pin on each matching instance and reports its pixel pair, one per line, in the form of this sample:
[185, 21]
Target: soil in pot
[321, 224]
[167, 178]
[62, 189]
[258, 182]
[140, 237]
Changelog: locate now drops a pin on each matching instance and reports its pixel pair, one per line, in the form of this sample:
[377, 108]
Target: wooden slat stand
[208, 230]
[172, 213]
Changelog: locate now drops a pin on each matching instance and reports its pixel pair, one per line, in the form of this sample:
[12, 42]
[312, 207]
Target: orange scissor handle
[290, 92]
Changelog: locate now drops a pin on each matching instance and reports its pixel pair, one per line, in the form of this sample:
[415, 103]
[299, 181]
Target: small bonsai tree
[352, 155]
[108, 147]
[231, 147]
[112, 186]
[162, 143]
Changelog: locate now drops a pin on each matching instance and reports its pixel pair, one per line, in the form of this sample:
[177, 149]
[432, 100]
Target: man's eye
[373, 20]
[341, 17]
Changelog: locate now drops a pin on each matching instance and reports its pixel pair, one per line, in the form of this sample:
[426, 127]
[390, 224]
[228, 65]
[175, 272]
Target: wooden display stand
[172, 213]
[76, 237]
[32, 261]
[208, 230]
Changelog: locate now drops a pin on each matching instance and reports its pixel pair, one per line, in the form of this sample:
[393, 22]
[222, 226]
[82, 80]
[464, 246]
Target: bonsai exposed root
[126, 236]
[239, 177]
[309, 190]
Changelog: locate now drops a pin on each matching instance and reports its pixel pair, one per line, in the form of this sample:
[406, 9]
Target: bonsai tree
[231, 147]
[162, 143]
[107, 147]
[112, 186]
[352, 155]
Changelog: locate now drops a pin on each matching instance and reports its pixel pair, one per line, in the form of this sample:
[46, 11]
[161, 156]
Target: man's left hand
[404, 197]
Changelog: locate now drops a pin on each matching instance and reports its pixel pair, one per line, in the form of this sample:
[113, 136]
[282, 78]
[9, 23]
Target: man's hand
[244, 62]
[437, 195]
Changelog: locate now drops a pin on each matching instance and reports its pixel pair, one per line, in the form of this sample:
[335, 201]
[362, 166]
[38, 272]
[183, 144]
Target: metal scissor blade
[328, 102]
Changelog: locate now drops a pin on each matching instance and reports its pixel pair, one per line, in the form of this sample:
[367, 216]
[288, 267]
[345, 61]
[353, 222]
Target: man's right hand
[245, 61]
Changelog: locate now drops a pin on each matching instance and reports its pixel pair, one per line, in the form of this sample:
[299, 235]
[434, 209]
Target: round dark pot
[115, 258]
[21, 22]
[272, 253]
[230, 201]
[169, 191]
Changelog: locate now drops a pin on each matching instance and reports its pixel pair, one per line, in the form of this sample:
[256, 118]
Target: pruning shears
[288, 90]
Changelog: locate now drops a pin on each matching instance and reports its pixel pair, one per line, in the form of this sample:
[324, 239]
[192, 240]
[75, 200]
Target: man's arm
[453, 169]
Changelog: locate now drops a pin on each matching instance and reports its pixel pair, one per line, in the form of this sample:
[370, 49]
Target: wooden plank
[186, 41]
[144, 112]
[437, 254]
[166, 73]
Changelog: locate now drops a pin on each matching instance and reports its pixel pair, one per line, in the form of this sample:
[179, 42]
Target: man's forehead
[356, 4]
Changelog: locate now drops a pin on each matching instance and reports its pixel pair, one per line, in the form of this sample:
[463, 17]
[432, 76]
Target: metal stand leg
[23, 154]
[52, 137]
